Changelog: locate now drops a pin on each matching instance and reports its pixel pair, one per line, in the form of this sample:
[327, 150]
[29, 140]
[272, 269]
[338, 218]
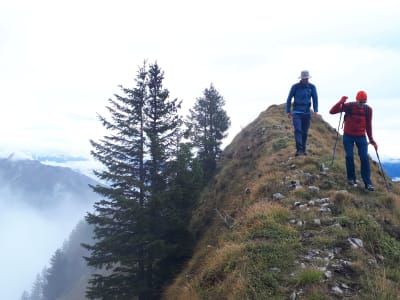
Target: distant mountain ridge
[392, 169]
[43, 184]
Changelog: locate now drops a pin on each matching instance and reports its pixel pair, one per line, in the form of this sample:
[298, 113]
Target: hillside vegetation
[275, 226]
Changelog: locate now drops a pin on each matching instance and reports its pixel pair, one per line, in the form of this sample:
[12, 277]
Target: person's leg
[348, 144]
[362, 146]
[298, 133]
[306, 119]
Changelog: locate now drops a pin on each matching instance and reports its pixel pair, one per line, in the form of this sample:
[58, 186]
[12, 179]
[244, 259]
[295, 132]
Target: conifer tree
[37, 287]
[120, 230]
[25, 296]
[184, 188]
[208, 123]
[130, 222]
[162, 127]
[57, 279]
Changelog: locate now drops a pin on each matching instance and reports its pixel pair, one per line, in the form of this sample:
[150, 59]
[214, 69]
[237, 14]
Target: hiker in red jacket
[357, 122]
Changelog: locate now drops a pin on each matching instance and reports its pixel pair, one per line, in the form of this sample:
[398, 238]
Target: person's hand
[289, 115]
[373, 143]
[343, 99]
[316, 114]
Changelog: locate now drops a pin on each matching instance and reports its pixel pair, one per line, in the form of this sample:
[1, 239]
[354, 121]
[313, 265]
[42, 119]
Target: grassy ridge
[272, 226]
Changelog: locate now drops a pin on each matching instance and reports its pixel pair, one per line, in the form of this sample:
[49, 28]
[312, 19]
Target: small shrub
[280, 144]
[394, 275]
[308, 276]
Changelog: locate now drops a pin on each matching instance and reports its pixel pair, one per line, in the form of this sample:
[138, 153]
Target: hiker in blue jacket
[299, 110]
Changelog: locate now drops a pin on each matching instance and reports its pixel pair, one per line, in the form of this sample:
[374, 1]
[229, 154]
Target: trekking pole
[383, 175]
[337, 137]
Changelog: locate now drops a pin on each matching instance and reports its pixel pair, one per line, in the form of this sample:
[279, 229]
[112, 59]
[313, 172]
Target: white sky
[60, 61]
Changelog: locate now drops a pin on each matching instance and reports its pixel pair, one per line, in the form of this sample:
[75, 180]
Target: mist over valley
[40, 206]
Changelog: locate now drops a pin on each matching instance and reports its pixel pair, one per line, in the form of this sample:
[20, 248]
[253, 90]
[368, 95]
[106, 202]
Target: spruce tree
[131, 222]
[37, 287]
[57, 279]
[119, 218]
[162, 127]
[208, 123]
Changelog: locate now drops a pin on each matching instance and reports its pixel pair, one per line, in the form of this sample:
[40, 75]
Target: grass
[376, 285]
[307, 277]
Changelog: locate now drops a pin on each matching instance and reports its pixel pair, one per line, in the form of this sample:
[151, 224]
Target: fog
[29, 237]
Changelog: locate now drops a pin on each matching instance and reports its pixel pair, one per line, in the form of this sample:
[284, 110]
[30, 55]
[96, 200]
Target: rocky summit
[271, 225]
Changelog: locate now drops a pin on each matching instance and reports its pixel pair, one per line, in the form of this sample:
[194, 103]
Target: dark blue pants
[301, 124]
[362, 146]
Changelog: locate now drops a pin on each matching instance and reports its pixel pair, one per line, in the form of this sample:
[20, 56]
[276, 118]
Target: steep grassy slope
[275, 226]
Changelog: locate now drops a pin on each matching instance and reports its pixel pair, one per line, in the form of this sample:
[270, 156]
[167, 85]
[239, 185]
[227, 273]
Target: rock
[355, 243]
[275, 269]
[313, 188]
[317, 222]
[380, 258]
[344, 286]
[323, 168]
[294, 184]
[293, 296]
[337, 290]
[328, 274]
[322, 201]
[324, 209]
[277, 196]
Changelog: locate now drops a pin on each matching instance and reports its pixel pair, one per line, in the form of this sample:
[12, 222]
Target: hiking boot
[370, 187]
[299, 153]
[351, 182]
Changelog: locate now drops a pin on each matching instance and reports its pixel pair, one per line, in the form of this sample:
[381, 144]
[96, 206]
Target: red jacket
[356, 123]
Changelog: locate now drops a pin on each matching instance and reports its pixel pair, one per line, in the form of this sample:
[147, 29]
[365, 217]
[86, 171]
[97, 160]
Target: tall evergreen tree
[57, 279]
[131, 243]
[25, 296]
[184, 187]
[161, 127]
[37, 287]
[119, 219]
[208, 123]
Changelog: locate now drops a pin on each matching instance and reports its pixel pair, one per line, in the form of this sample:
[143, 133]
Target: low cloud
[29, 237]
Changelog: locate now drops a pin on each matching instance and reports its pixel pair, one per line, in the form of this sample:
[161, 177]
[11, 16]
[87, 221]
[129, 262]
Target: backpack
[350, 112]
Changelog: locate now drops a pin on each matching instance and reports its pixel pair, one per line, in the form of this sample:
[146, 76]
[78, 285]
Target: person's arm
[289, 100]
[368, 129]
[314, 97]
[338, 107]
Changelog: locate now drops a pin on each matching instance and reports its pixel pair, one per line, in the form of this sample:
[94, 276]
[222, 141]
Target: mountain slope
[43, 185]
[275, 226]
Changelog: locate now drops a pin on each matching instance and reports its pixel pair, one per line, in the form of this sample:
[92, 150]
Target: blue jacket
[302, 94]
